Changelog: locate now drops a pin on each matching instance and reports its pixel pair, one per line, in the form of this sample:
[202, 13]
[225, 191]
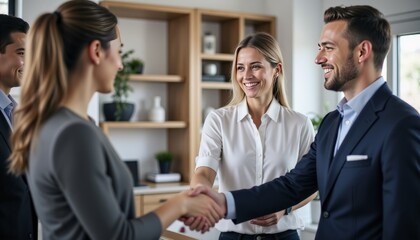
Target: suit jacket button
[325, 214]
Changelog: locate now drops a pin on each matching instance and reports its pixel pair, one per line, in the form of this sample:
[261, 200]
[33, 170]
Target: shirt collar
[272, 111]
[359, 101]
[242, 110]
[5, 100]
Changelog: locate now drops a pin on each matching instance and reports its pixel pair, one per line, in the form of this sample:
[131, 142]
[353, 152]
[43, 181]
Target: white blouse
[244, 156]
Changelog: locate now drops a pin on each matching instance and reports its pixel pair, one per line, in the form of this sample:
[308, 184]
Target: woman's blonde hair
[269, 48]
[54, 44]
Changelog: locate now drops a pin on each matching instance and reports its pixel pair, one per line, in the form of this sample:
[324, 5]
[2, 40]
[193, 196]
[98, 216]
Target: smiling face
[335, 57]
[254, 74]
[11, 67]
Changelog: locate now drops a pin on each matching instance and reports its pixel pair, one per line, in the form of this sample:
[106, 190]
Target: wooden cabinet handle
[162, 200]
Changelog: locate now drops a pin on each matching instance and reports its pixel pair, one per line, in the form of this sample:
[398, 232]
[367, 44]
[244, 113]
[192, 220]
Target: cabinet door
[151, 202]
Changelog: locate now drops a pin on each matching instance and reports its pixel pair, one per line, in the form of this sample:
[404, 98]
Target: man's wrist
[287, 211]
[230, 206]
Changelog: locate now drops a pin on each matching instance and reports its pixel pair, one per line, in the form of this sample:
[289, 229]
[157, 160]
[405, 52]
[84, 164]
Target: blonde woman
[81, 188]
[255, 139]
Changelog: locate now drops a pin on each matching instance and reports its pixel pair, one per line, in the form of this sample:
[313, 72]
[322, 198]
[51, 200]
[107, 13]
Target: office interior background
[298, 25]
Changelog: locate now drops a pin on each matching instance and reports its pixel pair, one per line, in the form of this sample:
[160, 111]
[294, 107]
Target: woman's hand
[206, 211]
[268, 220]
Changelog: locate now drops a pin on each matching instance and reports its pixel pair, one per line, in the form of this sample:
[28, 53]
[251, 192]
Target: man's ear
[364, 51]
[94, 52]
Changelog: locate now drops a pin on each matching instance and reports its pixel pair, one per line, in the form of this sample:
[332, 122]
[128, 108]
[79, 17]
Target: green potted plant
[119, 109]
[136, 65]
[164, 159]
[316, 120]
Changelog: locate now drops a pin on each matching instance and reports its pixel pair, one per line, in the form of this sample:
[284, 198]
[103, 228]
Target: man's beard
[348, 73]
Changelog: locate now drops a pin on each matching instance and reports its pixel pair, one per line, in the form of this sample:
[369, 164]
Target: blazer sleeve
[90, 193]
[401, 177]
[280, 193]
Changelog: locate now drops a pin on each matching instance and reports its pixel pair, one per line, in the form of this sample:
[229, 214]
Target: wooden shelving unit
[156, 78]
[184, 87]
[179, 126]
[216, 85]
[106, 126]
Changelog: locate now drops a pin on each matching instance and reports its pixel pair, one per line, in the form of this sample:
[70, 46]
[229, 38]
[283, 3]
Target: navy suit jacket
[18, 220]
[376, 198]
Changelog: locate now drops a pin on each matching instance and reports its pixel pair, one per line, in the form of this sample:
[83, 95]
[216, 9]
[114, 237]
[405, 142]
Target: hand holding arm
[272, 219]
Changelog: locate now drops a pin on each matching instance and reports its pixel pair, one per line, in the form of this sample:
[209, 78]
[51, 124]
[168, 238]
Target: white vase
[157, 113]
[209, 43]
[210, 69]
[315, 211]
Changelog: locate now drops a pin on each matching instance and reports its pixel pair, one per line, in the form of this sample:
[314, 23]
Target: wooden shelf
[144, 11]
[156, 78]
[137, 125]
[217, 57]
[216, 85]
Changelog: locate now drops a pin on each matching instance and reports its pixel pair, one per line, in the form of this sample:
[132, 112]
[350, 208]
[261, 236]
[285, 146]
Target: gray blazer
[80, 186]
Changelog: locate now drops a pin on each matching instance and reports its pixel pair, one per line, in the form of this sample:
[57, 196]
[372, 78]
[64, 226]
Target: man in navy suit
[365, 160]
[17, 216]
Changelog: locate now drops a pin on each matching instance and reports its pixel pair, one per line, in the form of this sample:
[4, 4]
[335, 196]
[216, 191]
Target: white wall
[299, 23]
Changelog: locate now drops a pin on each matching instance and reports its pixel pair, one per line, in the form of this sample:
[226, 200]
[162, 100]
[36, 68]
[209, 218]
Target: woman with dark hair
[81, 188]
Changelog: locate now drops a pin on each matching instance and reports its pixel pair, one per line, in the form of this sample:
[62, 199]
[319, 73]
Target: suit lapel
[327, 149]
[357, 131]
[5, 130]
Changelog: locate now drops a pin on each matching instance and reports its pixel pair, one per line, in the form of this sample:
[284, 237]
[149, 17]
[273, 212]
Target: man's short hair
[8, 25]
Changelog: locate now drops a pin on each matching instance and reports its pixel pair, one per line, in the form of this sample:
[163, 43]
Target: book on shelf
[213, 78]
[163, 177]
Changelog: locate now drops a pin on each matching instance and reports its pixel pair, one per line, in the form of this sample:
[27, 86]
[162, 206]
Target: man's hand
[197, 223]
[219, 198]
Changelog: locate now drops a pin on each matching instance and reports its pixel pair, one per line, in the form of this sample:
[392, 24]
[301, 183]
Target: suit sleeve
[81, 173]
[280, 193]
[401, 177]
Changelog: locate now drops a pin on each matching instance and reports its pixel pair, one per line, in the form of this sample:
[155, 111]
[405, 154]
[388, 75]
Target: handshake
[203, 208]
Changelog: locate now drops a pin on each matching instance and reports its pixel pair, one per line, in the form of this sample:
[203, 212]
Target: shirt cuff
[230, 206]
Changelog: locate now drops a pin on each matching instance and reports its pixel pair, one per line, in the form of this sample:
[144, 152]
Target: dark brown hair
[364, 23]
[54, 44]
[8, 25]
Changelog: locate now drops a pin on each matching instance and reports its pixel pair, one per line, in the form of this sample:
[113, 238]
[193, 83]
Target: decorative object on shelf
[136, 65]
[210, 69]
[157, 112]
[315, 209]
[214, 78]
[164, 159]
[209, 43]
[163, 177]
[119, 109]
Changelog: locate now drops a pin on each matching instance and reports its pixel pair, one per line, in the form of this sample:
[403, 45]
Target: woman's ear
[94, 52]
[279, 69]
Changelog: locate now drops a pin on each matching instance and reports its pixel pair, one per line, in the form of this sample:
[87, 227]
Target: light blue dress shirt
[5, 101]
[349, 111]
